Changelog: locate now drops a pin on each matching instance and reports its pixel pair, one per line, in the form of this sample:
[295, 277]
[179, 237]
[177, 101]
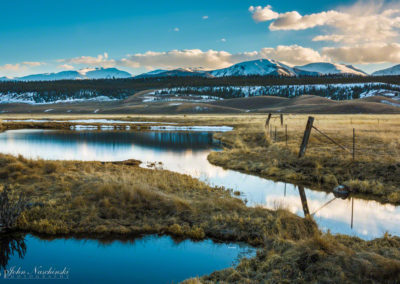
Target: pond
[151, 259]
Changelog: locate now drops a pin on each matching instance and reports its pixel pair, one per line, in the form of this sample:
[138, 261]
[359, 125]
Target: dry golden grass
[320, 259]
[374, 172]
[118, 198]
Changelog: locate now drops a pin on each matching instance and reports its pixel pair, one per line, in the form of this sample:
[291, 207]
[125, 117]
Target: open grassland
[374, 172]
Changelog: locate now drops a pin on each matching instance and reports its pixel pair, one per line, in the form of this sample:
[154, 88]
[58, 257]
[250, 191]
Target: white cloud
[295, 21]
[293, 55]
[65, 67]
[178, 58]
[365, 54]
[12, 69]
[366, 21]
[261, 14]
[204, 17]
[32, 63]
[176, 29]
[101, 60]
[223, 39]
[213, 59]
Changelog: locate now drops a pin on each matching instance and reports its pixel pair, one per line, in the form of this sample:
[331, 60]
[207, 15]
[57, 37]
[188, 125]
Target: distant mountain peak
[260, 67]
[391, 71]
[85, 73]
[327, 68]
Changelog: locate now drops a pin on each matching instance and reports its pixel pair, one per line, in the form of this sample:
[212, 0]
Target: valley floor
[94, 198]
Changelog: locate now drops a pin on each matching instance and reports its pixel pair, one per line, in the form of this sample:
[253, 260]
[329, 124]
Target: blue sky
[48, 36]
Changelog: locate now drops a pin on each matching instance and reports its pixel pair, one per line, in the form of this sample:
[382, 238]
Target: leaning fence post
[267, 121]
[306, 137]
[281, 119]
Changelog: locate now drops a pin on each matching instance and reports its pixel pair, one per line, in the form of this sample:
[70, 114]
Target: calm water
[152, 259]
[187, 153]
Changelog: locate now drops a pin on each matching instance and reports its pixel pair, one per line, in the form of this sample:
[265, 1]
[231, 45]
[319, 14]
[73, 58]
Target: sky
[139, 36]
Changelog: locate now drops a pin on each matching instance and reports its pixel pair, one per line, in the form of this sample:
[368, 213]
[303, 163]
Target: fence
[306, 136]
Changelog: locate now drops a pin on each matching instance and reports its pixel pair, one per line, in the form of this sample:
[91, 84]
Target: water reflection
[187, 153]
[11, 245]
[151, 259]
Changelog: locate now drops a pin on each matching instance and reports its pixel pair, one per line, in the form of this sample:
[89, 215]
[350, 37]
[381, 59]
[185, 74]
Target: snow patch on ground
[390, 103]
[193, 128]
[342, 91]
[35, 99]
[102, 121]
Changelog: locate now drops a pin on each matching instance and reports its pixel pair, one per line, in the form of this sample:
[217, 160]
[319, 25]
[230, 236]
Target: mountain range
[261, 67]
[82, 74]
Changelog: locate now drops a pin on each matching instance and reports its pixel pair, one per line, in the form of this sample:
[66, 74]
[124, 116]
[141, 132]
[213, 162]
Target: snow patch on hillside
[333, 91]
[34, 98]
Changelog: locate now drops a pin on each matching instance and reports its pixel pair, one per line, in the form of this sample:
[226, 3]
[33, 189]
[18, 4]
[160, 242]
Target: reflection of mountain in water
[11, 244]
[178, 141]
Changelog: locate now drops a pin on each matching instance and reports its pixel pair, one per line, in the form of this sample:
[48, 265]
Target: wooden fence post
[303, 198]
[354, 143]
[267, 121]
[306, 137]
[286, 138]
[281, 119]
[275, 134]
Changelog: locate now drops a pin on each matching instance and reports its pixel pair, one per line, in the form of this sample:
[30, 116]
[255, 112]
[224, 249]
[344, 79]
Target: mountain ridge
[259, 67]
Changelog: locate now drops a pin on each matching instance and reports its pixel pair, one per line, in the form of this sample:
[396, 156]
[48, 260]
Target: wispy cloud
[100, 60]
[204, 17]
[66, 67]
[19, 68]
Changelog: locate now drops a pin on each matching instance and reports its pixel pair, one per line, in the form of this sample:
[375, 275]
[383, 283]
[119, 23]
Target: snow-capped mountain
[260, 67]
[180, 72]
[325, 68]
[104, 73]
[87, 73]
[395, 70]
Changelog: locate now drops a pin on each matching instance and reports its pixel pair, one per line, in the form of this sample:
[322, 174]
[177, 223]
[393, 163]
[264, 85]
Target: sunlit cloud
[365, 54]
[101, 60]
[366, 21]
[212, 59]
[18, 68]
[65, 67]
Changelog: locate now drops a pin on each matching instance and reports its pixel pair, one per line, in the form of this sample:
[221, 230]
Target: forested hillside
[52, 91]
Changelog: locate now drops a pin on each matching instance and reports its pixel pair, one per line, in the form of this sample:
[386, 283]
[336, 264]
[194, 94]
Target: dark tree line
[121, 88]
